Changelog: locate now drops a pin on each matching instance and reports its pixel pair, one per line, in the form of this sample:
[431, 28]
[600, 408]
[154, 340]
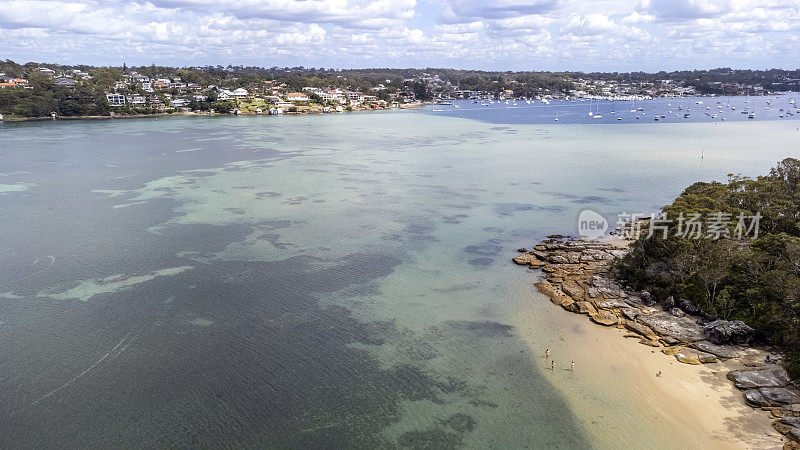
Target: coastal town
[37, 90]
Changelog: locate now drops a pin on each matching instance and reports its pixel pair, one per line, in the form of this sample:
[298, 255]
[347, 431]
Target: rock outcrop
[770, 377]
[576, 278]
[728, 332]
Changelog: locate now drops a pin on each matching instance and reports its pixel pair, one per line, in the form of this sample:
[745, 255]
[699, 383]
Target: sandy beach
[688, 405]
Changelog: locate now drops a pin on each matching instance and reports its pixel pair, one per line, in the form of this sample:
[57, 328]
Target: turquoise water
[316, 281]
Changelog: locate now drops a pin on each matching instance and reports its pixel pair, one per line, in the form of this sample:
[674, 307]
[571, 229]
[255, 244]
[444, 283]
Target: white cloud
[552, 34]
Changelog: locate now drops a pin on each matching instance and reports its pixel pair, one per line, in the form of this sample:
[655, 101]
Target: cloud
[457, 11]
[513, 34]
[686, 9]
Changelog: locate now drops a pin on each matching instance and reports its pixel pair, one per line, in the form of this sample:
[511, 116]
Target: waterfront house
[296, 97]
[240, 93]
[115, 100]
[136, 100]
[65, 82]
[224, 94]
[180, 103]
[335, 96]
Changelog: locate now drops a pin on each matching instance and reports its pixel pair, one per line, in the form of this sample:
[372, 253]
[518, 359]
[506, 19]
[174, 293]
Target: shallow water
[338, 280]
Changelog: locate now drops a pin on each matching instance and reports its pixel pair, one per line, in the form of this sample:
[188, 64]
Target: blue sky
[603, 35]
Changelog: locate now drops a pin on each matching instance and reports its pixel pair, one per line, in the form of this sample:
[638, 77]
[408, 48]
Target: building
[336, 96]
[296, 97]
[65, 82]
[115, 100]
[224, 94]
[180, 103]
[136, 100]
[240, 93]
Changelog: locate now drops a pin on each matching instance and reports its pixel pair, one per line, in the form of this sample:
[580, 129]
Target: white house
[240, 93]
[333, 96]
[180, 102]
[136, 100]
[115, 99]
[224, 94]
[296, 97]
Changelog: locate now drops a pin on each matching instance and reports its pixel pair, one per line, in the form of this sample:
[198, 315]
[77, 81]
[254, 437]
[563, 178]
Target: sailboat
[590, 108]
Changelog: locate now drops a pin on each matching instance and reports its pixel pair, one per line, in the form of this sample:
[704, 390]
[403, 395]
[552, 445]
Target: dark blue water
[668, 110]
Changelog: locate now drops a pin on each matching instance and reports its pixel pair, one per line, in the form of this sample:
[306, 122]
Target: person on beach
[547, 354]
[658, 375]
[553, 365]
[572, 366]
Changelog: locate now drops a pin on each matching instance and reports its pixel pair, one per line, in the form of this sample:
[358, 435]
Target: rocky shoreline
[577, 277]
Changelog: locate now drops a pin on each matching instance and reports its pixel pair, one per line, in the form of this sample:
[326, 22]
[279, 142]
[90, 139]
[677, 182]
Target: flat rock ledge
[576, 277]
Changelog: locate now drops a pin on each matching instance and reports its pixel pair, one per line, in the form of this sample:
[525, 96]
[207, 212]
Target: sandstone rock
[791, 410]
[522, 250]
[669, 340]
[637, 327]
[524, 259]
[668, 303]
[605, 318]
[586, 308]
[593, 292]
[574, 290]
[688, 358]
[776, 396]
[724, 352]
[752, 379]
[573, 257]
[617, 253]
[724, 332]
[611, 303]
[541, 255]
[677, 312]
[540, 248]
[649, 342]
[680, 328]
[647, 298]
[706, 358]
[688, 307]
[551, 291]
[630, 313]
[558, 259]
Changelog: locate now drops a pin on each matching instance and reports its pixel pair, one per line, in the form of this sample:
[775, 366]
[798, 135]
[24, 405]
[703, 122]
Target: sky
[603, 35]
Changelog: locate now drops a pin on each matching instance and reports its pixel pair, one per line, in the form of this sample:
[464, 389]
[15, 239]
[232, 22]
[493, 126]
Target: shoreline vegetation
[405, 106]
[705, 302]
[34, 90]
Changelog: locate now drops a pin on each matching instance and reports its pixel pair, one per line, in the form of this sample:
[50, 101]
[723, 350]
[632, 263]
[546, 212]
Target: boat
[597, 116]
[751, 116]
